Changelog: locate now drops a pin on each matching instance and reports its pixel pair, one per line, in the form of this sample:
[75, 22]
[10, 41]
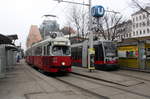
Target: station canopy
[7, 39]
[134, 41]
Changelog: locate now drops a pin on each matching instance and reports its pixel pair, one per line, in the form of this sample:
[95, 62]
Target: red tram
[105, 55]
[50, 55]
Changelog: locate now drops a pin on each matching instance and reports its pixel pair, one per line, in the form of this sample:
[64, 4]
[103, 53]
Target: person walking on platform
[18, 58]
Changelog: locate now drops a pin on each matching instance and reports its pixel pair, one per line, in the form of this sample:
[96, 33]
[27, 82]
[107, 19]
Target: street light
[71, 2]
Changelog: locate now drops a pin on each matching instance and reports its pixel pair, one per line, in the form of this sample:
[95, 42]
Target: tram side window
[27, 53]
[80, 53]
[38, 51]
[101, 52]
[44, 50]
[48, 49]
[76, 53]
[99, 55]
[73, 53]
[96, 52]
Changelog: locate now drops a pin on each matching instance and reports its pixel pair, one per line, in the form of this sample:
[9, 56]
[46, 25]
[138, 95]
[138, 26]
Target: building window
[136, 25]
[136, 32]
[143, 23]
[126, 35]
[143, 31]
[133, 33]
[136, 18]
[140, 17]
[140, 32]
[147, 22]
[143, 16]
[130, 35]
[133, 19]
[148, 30]
[140, 24]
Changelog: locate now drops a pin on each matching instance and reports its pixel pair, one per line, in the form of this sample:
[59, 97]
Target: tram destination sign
[60, 43]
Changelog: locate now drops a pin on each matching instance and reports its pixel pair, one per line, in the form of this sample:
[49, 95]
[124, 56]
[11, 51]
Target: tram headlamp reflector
[63, 63]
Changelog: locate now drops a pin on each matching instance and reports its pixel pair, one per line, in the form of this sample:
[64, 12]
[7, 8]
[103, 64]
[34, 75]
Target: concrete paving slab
[59, 95]
[107, 91]
[143, 88]
[127, 96]
[108, 76]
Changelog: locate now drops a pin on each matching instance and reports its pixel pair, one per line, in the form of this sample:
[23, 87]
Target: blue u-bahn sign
[97, 11]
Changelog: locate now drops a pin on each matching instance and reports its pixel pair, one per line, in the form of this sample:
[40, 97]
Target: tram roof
[50, 40]
[86, 41]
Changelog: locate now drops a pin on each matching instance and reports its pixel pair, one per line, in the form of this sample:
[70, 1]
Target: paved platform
[107, 76]
[23, 82]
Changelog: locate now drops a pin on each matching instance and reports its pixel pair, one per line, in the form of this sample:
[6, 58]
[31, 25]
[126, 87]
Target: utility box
[2, 61]
[1, 72]
[14, 57]
[9, 59]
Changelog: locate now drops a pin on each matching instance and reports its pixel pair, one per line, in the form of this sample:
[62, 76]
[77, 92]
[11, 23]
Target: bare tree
[67, 30]
[108, 25]
[140, 5]
[77, 19]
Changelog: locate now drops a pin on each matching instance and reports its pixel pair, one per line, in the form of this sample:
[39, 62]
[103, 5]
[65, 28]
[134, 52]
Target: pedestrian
[18, 58]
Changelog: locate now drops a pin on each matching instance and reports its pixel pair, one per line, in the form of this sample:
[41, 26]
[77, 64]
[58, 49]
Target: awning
[5, 40]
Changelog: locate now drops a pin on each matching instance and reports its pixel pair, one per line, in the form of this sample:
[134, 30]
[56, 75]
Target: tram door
[85, 54]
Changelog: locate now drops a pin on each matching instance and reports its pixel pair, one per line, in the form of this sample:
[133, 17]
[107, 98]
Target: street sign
[97, 11]
[91, 51]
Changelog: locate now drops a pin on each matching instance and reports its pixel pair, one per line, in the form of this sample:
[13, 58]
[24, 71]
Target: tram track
[98, 82]
[83, 89]
[132, 76]
[94, 81]
[95, 78]
[65, 82]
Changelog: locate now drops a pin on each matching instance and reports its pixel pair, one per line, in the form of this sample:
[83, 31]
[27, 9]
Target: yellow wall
[131, 62]
[127, 48]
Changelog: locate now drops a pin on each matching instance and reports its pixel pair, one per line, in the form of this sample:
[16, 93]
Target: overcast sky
[18, 15]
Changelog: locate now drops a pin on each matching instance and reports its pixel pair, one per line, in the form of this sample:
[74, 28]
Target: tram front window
[61, 50]
[110, 49]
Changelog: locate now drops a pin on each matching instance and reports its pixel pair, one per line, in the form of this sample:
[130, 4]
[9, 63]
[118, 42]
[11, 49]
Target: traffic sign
[97, 11]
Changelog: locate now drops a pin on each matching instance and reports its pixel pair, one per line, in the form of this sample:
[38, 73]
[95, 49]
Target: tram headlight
[63, 63]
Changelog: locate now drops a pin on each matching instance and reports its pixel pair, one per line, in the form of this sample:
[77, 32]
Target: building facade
[141, 23]
[33, 36]
[124, 30]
